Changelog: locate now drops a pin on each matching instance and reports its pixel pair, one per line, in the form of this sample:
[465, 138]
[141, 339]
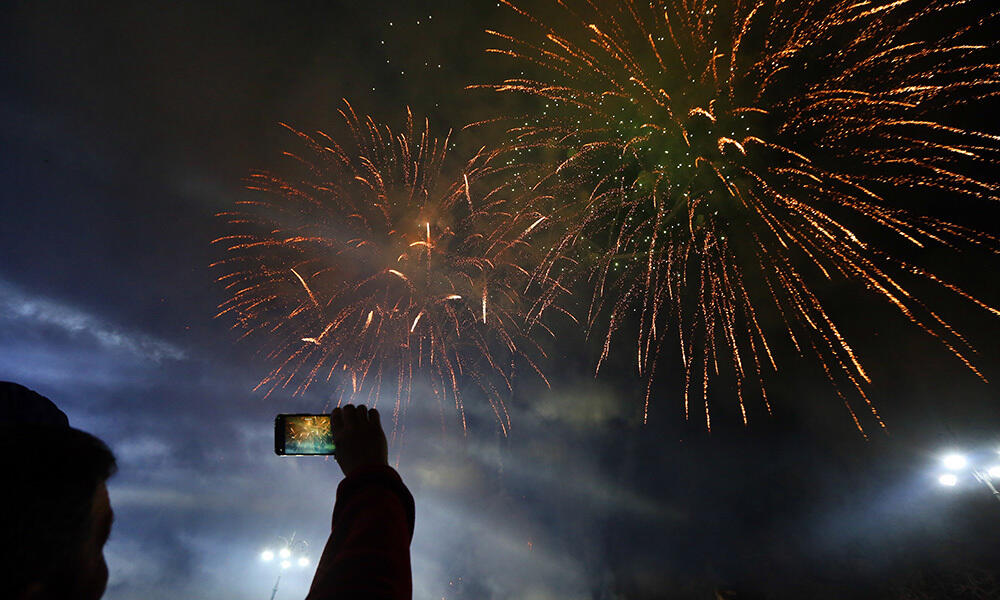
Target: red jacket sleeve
[368, 553]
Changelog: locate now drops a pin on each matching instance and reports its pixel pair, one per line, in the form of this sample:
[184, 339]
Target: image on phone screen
[305, 434]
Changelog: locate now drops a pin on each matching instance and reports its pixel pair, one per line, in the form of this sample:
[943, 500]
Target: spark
[363, 248]
[305, 286]
[709, 160]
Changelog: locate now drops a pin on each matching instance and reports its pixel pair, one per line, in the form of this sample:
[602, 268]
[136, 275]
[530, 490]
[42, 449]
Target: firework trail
[711, 157]
[373, 268]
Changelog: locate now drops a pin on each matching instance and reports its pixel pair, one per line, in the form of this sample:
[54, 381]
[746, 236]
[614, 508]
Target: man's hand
[360, 441]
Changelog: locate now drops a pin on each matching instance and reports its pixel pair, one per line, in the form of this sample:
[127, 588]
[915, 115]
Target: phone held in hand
[303, 435]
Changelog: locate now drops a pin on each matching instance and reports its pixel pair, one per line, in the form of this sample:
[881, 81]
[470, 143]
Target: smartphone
[303, 435]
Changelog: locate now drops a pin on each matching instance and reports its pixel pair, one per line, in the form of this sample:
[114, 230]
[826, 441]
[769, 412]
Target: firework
[709, 158]
[307, 431]
[373, 269]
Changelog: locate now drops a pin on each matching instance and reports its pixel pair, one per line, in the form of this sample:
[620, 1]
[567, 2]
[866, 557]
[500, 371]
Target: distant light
[266, 555]
[955, 462]
[994, 471]
[303, 562]
[285, 553]
[948, 479]
[285, 564]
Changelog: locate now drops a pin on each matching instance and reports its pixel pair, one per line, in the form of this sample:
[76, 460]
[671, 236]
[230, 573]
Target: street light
[957, 463]
[291, 552]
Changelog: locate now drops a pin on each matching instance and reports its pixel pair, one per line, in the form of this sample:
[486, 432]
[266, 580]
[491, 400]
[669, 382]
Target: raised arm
[368, 552]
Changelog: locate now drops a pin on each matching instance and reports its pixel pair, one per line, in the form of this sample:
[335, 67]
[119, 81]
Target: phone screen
[303, 435]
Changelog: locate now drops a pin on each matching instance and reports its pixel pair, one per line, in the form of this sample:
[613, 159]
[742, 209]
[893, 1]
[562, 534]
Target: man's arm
[368, 552]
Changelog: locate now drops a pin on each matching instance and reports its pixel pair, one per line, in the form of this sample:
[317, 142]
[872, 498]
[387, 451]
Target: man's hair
[49, 478]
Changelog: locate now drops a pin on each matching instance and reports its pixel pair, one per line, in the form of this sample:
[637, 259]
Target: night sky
[125, 127]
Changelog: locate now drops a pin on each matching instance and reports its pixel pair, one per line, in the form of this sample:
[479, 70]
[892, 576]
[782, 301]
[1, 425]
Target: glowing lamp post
[290, 552]
[982, 470]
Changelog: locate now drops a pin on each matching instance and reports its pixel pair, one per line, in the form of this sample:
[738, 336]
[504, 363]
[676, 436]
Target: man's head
[54, 511]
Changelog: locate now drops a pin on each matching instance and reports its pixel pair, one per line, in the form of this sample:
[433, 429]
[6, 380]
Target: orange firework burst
[374, 268]
[708, 156]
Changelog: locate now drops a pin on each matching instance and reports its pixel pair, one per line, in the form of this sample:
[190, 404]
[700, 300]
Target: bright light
[303, 562]
[285, 553]
[285, 564]
[948, 479]
[266, 555]
[954, 462]
[994, 471]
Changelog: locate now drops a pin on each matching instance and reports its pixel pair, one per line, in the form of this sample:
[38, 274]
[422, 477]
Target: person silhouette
[55, 514]
[368, 552]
